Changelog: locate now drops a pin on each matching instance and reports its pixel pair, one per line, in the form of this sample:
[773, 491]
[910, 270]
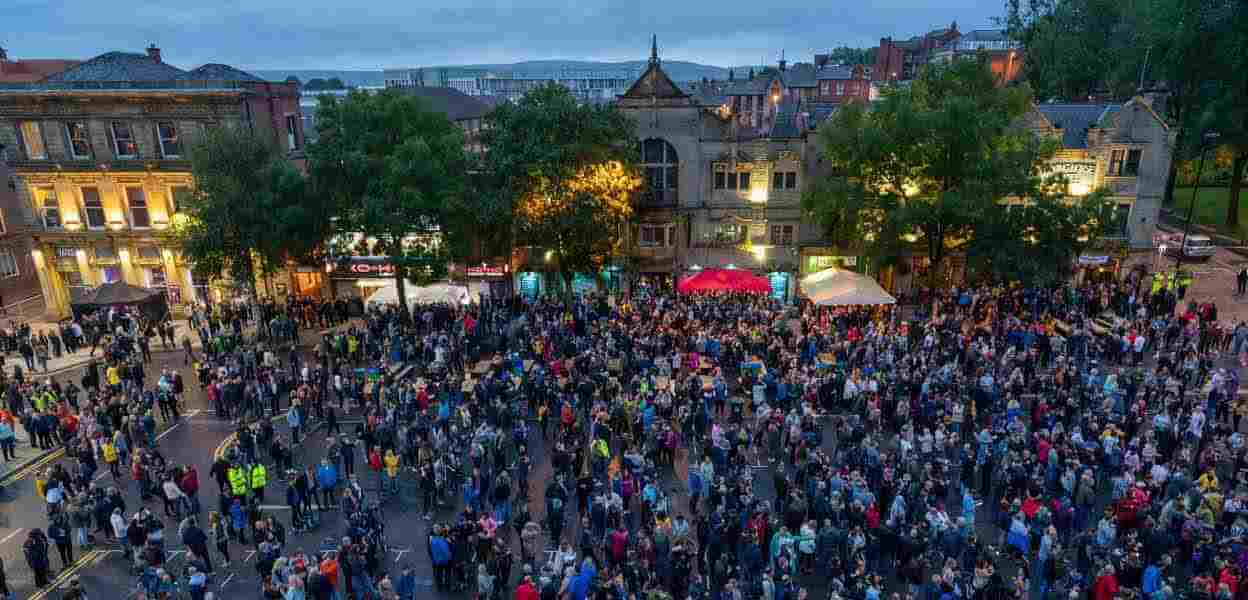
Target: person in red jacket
[526, 590]
[1106, 586]
[189, 483]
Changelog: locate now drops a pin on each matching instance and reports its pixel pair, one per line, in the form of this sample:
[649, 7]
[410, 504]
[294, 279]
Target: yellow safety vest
[238, 481]
[258, 475]
[110, 452]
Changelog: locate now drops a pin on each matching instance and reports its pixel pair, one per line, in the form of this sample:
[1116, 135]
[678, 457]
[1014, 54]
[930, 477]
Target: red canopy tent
[724, 280]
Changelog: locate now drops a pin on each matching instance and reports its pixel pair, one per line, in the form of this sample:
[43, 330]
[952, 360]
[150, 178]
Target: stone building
[98, 154]
[1122, 148]
[721, 191]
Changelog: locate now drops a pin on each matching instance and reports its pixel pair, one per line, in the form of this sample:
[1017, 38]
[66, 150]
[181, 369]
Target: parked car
[1195, 247]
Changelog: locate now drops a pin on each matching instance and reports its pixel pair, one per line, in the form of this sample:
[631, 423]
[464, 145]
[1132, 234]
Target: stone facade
[711, 216]
[1124, 149]
[98, 166]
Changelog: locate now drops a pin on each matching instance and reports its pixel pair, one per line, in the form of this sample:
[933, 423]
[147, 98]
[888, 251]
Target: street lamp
[1206, 142]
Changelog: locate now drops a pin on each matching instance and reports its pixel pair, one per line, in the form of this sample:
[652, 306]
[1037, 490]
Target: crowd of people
[989, 443]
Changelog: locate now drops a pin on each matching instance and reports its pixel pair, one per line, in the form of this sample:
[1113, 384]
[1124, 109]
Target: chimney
[153, 52]
[782, 61]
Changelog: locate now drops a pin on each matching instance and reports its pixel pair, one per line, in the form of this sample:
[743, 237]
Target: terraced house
[98, 156]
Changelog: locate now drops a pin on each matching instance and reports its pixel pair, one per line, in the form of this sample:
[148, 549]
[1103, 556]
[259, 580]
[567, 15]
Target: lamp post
[1191, 205]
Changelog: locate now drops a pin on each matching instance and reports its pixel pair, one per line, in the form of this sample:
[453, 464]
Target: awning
[724, 280]
[838, 287]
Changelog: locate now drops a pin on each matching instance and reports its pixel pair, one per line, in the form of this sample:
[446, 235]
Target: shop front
[1096, 268]
[489, 280]
[359, 277]
[780, 285]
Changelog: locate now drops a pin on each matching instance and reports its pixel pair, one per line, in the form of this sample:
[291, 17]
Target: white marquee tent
[432, 293]
[838, 287]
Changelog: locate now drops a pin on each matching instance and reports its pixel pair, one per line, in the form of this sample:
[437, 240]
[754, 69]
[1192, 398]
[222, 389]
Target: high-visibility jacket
[258, 476]
[238, 481]
[1185, 280]
[110, 452]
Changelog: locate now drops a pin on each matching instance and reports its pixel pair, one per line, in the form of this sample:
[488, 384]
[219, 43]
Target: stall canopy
[724, 280]
[432, 293]
[150, 302]
[838, 287]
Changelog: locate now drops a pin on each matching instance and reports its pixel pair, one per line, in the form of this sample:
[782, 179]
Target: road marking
[226, 582]
[172, 554]
[31, 468]
[11, 535]
[250, 553]
[400, 553]
[67, 574]
[274, 507]
[175, 425]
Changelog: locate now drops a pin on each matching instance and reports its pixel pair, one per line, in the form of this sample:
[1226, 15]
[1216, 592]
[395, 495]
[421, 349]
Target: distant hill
[677, 70]
[355, 78]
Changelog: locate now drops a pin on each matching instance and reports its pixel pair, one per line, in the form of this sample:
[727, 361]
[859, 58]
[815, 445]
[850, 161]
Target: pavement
[1213, 280]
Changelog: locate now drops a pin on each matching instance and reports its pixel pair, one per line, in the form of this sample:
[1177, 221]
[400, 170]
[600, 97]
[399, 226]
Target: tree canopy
[568, 173]
[391, 168]
[928, 167]
[249, 211]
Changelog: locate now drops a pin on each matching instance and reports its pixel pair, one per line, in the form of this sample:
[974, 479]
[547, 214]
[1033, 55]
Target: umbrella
[118, 292]
[724, 280]
[837, 287]
[428, 294]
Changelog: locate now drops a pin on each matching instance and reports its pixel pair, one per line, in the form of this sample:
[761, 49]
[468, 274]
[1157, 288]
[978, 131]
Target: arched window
[661, 164]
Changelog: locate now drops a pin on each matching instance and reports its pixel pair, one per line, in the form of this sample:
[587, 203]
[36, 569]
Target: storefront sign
[486, 271]
[1089, 260]
[779, 285]
[1079, 173]
[362, 266]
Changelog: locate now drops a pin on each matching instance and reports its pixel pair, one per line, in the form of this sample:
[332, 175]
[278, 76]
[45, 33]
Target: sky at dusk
[375, 34]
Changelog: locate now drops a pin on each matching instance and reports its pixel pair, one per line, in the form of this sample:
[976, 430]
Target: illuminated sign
[486, 271]
[361, 266]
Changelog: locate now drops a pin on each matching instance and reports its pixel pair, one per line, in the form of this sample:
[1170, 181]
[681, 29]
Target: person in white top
[174, 497]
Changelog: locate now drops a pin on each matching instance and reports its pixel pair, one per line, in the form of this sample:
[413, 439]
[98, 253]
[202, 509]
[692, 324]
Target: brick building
[98, 154]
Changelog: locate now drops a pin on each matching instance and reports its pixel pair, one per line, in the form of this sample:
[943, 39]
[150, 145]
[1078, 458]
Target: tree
[929, 165]
[392, 168]
[249, 211]
[568, 172]
[1079, 48]
[1225, 100]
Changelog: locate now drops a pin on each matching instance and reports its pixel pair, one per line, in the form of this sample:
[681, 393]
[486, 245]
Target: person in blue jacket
[326, 481]
[440, 556]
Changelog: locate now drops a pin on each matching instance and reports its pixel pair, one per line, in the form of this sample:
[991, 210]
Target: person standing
[1241, 281]
[36, 550]
[220, 534]
[58, 530]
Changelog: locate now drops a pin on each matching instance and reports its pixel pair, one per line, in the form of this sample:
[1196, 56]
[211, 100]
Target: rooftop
[125, 71]
[1074, 120]
[457, 105]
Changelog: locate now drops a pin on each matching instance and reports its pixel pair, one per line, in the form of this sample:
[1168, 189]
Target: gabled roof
[799, 75]
[119, 66]
[706, 94]
[218, 72]
[1074, 120]
[457, 105]
[836, 72]
[654, 83]
[32, 69]
[749, 87]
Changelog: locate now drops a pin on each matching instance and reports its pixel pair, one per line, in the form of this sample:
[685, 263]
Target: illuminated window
[139, 216]
[51, 208]
[782, 235]
[93, 208]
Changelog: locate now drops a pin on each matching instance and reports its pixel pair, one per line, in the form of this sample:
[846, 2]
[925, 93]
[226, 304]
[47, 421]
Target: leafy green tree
[391, 167]
[1225, 105]
[1079, 48]
[249, 211]
[929, 166]
[568, 173]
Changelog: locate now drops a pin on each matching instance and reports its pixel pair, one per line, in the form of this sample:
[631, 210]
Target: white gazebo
[838, 287]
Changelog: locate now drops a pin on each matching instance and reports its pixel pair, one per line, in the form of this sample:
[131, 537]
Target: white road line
[11, 535]
[175, 425]
[227, 581]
